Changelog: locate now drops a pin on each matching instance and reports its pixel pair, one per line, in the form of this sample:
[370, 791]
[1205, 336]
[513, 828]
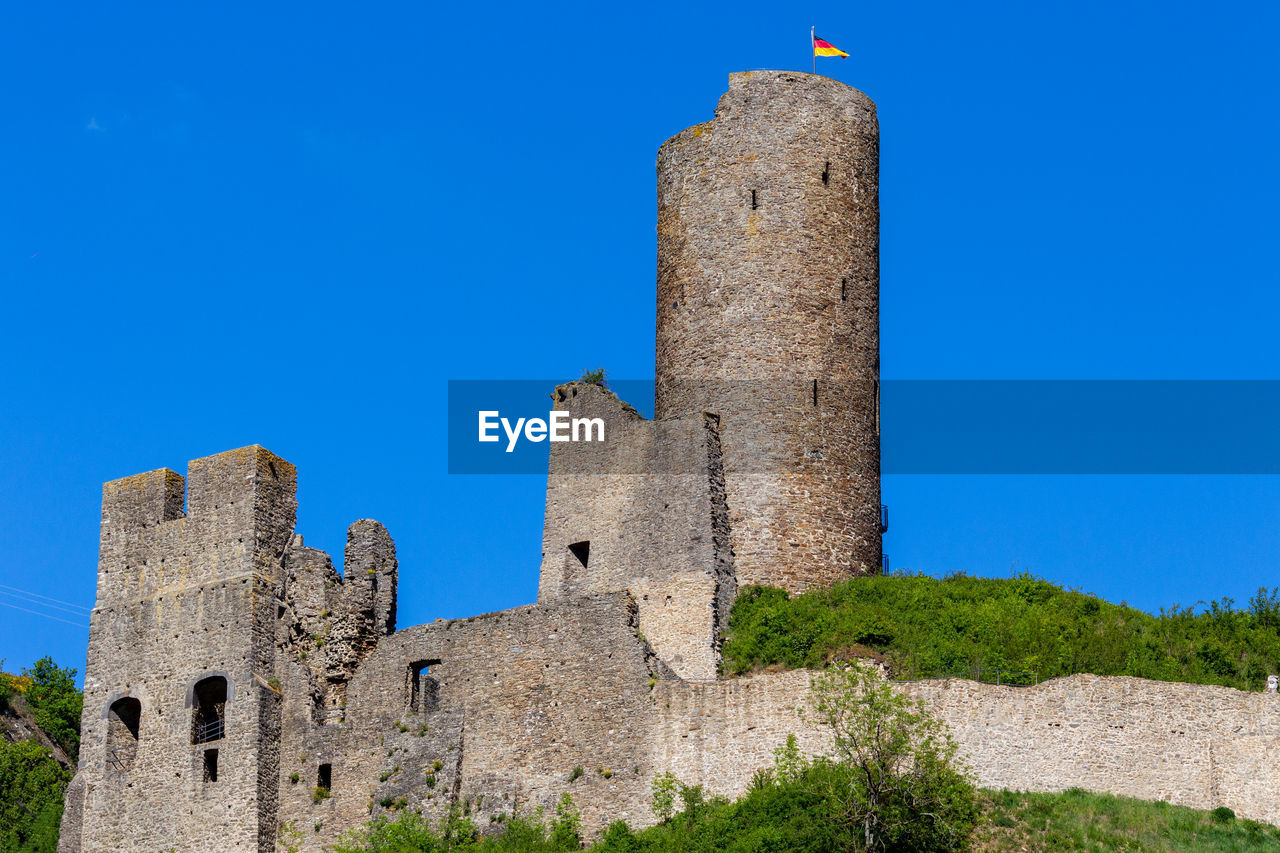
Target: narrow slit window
[580, 551]
[754, 204]
[815, 392]
[826, 173]
[844, 290]
[211, 765]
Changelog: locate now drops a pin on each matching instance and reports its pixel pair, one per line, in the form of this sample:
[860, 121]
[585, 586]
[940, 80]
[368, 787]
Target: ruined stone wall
[520, 699]
[642, 511]
[768, 295]
[182, 597]
[332, 622]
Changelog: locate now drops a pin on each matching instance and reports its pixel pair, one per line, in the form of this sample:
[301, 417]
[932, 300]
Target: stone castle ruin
[236, 683]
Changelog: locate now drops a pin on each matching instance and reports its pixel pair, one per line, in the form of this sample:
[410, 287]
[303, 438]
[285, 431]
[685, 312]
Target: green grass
[924, 626]
[1080, 821]
[785, 819]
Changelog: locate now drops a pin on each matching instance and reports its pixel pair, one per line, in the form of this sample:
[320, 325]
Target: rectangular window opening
[211, 765]
[844, 290]
[753, 200]
[324, 778]
[815, 392]
[582, 551]
[424, 690]
[826, 173]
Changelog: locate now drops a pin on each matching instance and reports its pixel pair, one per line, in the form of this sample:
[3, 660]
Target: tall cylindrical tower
[768, 315]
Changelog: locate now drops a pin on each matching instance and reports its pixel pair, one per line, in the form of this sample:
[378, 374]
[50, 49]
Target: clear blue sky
[240, 224]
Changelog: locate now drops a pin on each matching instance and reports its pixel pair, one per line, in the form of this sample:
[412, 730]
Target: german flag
[822, 47]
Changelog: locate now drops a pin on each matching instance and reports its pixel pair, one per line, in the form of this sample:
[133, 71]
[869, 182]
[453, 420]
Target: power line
[45, 597]
[25, 598]
[45, 615]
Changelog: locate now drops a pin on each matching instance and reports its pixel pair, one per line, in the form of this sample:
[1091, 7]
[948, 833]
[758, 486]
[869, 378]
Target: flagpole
[812, 50]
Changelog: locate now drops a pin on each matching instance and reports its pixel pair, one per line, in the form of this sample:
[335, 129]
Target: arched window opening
[424, 691]
[209, 710]
[123, 720]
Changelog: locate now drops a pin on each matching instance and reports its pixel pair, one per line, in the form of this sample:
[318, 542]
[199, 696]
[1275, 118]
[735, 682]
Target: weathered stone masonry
[237, 683]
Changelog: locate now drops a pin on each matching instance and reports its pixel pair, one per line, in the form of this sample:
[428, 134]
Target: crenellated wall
[183, 597]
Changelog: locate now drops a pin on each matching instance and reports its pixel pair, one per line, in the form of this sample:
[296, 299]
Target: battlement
[239, 512]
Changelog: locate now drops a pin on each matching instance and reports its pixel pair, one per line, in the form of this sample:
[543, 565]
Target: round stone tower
[768, 316]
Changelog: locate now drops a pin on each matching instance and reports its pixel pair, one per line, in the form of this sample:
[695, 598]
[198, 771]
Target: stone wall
[642, 511]
[1192, 745]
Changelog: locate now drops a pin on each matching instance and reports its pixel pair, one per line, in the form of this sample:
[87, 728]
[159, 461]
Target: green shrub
[1222, 814]
[594, 377]
[924, 627]
[32, 785]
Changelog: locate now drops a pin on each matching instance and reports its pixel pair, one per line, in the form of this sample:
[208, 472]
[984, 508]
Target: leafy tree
[55, 703]
[663, 796]
[31, 790]
[566, 829]
[893, 781]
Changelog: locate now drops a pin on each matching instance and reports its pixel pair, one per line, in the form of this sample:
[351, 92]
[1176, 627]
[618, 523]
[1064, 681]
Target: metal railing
[210, 731]
[423, 705]
[1003, 677]
[121, 758]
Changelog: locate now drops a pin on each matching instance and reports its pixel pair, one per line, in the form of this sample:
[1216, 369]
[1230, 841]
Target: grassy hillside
[924, 626]
[1079, 821]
